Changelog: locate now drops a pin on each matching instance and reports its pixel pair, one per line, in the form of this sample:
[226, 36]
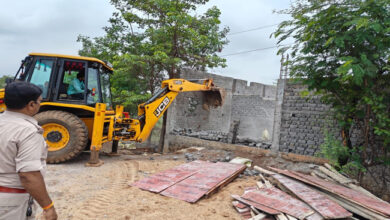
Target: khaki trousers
[13, 206]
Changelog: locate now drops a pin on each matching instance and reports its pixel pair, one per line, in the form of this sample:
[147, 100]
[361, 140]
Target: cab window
[41, 74]
[72, 85]
[105, 87]
[93, 95]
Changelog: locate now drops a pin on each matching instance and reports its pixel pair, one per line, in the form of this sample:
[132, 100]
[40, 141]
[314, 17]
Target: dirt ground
[104, 192]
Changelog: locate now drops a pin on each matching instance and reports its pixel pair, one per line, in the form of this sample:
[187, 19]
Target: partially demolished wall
[293, 122]
[245, 118]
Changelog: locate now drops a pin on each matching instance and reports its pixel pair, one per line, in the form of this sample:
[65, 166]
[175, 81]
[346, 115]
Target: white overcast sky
[53, 26]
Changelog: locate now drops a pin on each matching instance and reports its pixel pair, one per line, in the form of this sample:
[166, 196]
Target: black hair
[81, 73]
[19, 94]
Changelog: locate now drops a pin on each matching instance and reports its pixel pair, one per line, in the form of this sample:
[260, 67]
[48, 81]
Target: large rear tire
[65, 133]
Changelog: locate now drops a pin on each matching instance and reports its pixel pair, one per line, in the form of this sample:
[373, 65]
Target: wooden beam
[263, 208]
[258, 216]
[279, 200]
[324, 206]
[281, 217]
[263, 171]
[357, 209]
[322, 175]
[290, 217]
[374, 205]
[259, 184]
[266, 182]
[315, 216]
[337, 177]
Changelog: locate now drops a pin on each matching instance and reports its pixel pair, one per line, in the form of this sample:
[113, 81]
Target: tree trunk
[162, 133]
[346, 142]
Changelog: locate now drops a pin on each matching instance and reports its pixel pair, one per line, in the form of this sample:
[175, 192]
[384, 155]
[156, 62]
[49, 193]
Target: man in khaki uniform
[23, 153]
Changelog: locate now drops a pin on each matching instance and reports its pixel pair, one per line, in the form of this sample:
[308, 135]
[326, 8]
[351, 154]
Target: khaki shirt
[22, 148]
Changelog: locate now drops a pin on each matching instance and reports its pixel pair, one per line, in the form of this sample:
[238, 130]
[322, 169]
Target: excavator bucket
[214, 98]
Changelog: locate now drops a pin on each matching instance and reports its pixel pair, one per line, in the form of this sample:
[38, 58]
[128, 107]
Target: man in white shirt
[23, 153]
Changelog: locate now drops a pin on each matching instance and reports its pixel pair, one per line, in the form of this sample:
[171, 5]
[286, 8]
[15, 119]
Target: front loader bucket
[214, 98]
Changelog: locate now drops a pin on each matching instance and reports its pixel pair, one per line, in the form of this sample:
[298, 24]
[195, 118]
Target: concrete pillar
[278, 114]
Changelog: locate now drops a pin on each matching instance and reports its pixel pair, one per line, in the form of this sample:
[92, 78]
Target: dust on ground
[104, 192]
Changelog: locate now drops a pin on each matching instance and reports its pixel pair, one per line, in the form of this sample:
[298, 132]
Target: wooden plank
[246, 215]
[163, 180]
[239, 204]
[351, 183]
[364, 191]
[279, 200]
[326, 207]
[266, 182]
[281, 217]
[159, 183]
[315, 216]
[344, 192]
[322, 175]
[253, 214]
[226, 181]
[246, 209]
[258, 217]
[338, 177]
[289, 217]
[339, 174]
[208, 178]
[263, 171]
[355, 208]
[255, 210]
[263, 208]
[259, 184]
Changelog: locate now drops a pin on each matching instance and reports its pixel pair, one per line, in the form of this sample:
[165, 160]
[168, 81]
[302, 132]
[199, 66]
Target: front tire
[65, 133]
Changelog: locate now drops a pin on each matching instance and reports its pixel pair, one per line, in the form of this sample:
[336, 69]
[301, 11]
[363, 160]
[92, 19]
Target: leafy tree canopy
[147, 40]
[341, 48]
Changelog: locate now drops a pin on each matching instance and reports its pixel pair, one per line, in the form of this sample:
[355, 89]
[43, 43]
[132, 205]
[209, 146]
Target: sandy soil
[104, 193]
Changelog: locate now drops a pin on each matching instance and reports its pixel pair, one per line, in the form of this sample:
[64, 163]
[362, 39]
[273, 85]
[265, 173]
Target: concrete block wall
[246, 116]
[303, 120]
[254, 114]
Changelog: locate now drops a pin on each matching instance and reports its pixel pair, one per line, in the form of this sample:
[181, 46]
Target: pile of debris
[205, 135]
[325, 194]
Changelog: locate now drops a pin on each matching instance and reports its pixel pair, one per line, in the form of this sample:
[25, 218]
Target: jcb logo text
[161, 107]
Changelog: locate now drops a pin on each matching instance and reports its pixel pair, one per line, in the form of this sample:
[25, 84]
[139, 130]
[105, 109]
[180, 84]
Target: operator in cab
[77, 86]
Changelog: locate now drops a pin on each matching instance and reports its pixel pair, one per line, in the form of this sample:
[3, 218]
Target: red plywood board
[196, 186]
[326, 207]
[315, 216]
[279, 200]
[257, 205]
[190, 181]
[160, 181]
[184, 192]
[239, 205]
[347, 193]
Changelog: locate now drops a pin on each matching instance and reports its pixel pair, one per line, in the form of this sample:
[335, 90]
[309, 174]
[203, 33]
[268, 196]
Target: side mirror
[8, 81]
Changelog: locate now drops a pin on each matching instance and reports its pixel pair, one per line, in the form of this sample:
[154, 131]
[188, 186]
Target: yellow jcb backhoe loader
[76, 111]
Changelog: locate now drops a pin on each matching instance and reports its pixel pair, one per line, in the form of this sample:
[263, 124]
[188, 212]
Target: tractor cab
[69, 79]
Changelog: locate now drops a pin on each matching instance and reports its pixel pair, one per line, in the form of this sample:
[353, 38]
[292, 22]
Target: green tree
[341, 49]
[150, 40]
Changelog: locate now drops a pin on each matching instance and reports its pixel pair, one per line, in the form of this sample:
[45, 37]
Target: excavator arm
[153, 109]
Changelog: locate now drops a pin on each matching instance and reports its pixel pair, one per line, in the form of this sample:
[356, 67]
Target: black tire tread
[77, 124]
